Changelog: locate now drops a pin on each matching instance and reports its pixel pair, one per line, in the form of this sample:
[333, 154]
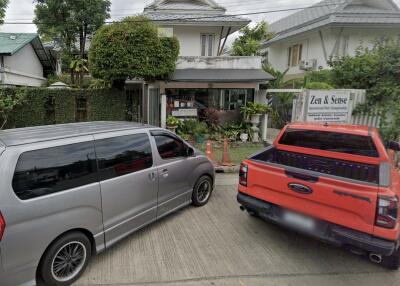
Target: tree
[9, 101]
[78, 66]
[133, 49]
[71, 21]
[378, 71]
[3, 7]
[250, 40]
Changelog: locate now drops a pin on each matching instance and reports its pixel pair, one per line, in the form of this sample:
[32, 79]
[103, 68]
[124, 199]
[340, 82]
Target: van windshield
[330, 141]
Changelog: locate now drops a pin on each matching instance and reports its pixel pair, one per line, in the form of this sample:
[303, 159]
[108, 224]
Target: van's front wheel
[65, 260]
[202, 191]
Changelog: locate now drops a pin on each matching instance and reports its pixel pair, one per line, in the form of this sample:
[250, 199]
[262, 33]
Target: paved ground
[220, 245]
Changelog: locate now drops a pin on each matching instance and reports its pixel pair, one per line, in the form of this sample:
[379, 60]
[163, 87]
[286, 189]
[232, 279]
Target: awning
[220, 75]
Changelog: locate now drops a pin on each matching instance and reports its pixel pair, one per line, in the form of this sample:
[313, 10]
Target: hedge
[55, 106]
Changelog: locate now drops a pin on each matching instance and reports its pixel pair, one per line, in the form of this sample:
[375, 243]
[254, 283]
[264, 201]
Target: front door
[128, 183]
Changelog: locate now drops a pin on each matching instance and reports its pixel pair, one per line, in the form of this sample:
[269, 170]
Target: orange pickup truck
[336, 183]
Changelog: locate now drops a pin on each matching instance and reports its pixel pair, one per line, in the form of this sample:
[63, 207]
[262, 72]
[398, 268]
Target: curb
[227, 170]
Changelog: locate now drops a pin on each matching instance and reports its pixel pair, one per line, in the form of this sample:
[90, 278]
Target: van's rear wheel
[202, 191]
[65, 260]
[392, 262]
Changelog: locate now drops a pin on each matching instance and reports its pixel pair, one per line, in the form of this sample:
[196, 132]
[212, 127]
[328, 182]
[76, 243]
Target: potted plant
[172, 123]
[255, 110]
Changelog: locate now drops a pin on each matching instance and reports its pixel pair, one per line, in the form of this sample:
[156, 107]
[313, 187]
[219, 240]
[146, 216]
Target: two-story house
[306, 40]
[204, 80]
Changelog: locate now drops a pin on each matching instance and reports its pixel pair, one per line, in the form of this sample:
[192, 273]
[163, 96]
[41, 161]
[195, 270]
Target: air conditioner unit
[308, 64]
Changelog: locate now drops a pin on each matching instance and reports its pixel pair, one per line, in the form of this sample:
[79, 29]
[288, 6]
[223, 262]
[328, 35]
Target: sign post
[328, 106]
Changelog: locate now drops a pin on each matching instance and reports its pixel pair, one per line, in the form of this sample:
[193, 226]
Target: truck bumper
[325, 231]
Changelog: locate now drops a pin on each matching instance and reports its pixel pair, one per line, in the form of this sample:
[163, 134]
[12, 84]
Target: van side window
[51, 170]
[123, 155]
[169, 147]
[330, 141]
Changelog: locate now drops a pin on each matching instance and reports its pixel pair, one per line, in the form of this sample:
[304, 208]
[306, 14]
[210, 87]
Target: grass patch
[237, 151]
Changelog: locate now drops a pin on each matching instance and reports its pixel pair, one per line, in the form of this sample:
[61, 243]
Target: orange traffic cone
[209, 152]
[226, 160]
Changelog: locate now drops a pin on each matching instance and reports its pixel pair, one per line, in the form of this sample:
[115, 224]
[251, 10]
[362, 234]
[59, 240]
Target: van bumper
[325, 231]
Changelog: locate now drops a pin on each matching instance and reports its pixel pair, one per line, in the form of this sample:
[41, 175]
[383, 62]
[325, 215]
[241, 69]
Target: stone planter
[244, 137]
[172, 128]
[255, 120]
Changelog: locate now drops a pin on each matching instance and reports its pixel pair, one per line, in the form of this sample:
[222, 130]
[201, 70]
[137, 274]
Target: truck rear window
[330, 141]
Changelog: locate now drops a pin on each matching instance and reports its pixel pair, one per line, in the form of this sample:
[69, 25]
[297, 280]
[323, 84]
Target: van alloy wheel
[69, 261]
[204, 191]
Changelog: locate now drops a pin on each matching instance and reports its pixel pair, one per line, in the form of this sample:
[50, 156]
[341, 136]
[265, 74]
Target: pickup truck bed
[334, 167]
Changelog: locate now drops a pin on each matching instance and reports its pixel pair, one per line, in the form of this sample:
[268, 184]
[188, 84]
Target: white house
[204, 80]
[307, 39]
[23, 60]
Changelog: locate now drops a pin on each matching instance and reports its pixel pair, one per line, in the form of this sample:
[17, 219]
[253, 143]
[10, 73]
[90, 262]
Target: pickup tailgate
[344, 202]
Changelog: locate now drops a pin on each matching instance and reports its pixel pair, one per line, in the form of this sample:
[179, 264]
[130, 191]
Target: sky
[23, 10]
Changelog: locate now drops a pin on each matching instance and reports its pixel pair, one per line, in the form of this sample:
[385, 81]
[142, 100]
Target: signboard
[192, 112]
[328, 106]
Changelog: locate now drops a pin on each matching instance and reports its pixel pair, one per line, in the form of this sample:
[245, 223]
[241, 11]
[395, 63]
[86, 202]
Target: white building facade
[204, 79]
[307, 40]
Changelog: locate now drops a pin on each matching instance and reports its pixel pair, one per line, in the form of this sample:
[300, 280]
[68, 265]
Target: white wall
[350, 40]
[23, 68]
[189, 38]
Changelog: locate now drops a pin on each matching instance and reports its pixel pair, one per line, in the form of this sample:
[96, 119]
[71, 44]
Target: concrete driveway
[220, 245]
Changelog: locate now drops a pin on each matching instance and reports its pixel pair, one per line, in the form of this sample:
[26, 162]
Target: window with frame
[51, 170]
[123, 155]
[207, 45]
[330, 141]
[295, 55]
[169, 147]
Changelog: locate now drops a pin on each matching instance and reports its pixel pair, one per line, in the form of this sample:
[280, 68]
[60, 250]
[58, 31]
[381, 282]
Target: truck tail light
[243, 174]
[2, 226]
[386, 211]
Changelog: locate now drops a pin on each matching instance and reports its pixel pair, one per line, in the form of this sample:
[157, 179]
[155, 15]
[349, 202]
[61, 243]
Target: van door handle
[303, 177]
[164, 173]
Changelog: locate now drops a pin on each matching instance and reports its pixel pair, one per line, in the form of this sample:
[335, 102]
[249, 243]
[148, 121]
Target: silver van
[70, 191]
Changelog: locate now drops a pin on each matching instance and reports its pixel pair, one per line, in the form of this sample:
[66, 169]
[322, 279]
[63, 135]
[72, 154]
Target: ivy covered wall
[55, 106]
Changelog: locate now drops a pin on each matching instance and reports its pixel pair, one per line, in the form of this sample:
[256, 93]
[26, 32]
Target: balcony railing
[219, 63]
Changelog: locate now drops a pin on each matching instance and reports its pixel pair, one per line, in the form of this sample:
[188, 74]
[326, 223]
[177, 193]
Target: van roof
[20, 136]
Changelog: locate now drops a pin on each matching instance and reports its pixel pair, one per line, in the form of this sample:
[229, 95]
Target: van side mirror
[189, 151]
[395, 146]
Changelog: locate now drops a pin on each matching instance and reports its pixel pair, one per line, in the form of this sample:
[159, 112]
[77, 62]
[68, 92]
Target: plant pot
[244, 137]
[199, 138]
[172, 128]
[255, 118]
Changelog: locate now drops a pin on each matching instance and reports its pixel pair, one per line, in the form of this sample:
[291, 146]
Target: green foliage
[318, 85]
[42, 106]
[325, 76]
[9, 102]
[282, 104]
[279, 77]
[3, 7]
[253, 108]
[65, 78]
[172, 121]
[250, 40]
[133, 49]
[378, 71]
[69, 20]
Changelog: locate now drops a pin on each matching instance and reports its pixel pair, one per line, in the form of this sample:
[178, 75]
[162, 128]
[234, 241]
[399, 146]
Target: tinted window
[169, 147]
[330, 141]
[52, 170]
[123, 155]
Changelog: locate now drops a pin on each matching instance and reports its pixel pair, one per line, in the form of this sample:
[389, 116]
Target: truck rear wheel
[392, 262]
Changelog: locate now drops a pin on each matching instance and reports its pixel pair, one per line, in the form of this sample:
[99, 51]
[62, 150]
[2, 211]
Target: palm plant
[78, 66]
